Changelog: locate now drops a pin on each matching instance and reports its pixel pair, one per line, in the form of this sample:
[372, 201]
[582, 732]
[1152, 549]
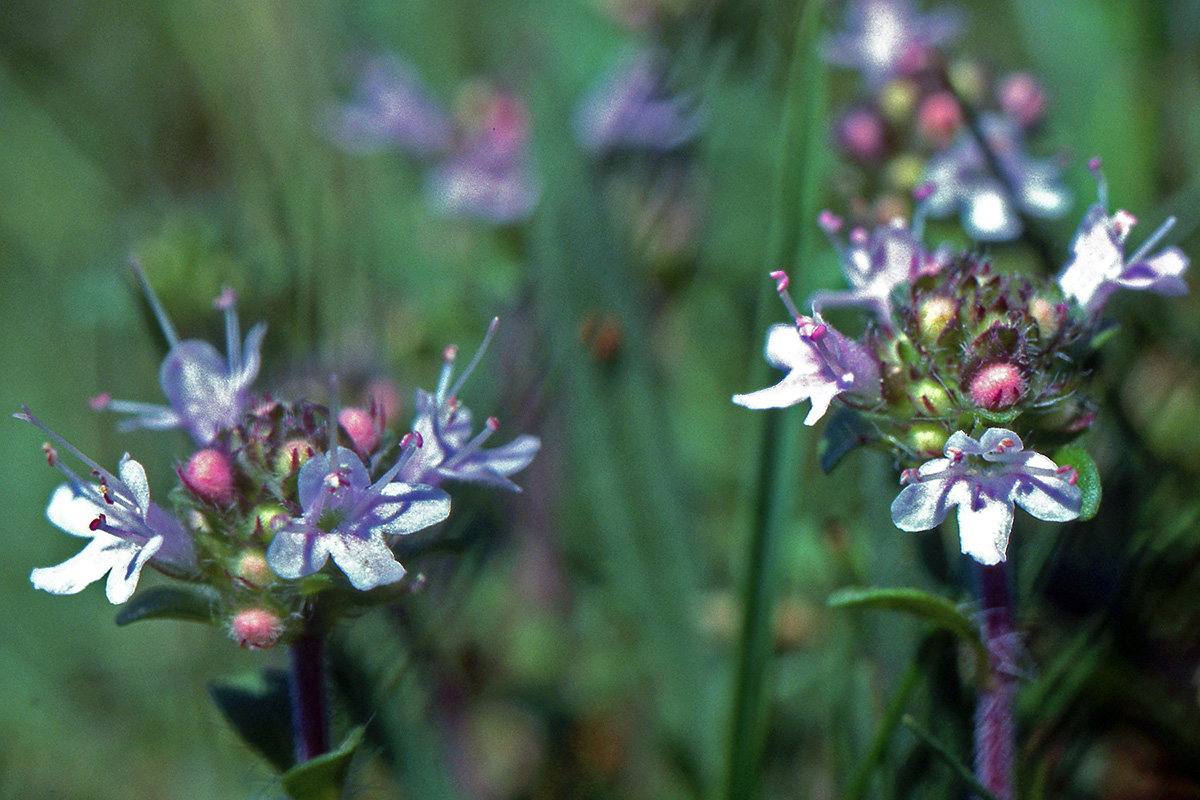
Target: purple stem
[995, 727]
[310, 709]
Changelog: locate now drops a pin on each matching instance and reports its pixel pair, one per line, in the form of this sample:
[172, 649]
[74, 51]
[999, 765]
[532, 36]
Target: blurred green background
[581, 639]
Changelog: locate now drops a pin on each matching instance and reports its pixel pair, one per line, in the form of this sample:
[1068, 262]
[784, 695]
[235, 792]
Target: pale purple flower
[449, 447]
[989, 205]
[348, 518]
[876, 265]
[1098, 266]
[984, 479]
[630, 110]
[489, 174]
[125, 529]
[886, 38]
[390, 108]
[821, 363]
[206, 393]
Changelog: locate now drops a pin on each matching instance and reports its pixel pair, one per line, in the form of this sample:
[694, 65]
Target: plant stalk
[310, 706]
[995, 725]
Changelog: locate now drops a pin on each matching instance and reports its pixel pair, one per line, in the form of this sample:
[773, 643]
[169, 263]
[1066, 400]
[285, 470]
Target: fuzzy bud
[256, 628]
[931, 398]
[293, 454]
[939, 118]
[1022, 98]
[360, 426]
[997, 386]
[861, 135]
[209, 476]
[897, 100]
[926, 439]
[252, 570]
[934, 315]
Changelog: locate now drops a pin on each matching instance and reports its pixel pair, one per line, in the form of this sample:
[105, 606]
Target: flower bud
[267, 518]
[293, 453]
[1049, 316]
[256, 628]
[861, 135]
[997, 386]
[1022, 98]
[938, 118]
[897, 100]
[252, 569]
[209, 476]
[926, 439]
[930, 397]
[934, 315]
[360, 426]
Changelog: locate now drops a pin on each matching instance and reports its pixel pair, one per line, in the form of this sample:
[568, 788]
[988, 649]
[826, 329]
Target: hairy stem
[995, 727]
[310, 708]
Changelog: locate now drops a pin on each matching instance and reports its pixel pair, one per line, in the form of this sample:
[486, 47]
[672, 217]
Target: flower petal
[123, 577]
[72, 511]
[297, 550]
[1049, 497]
[366, 561]
[133, 475]
[922, 505]
[984, 523]
[409, 508]
[105, 552]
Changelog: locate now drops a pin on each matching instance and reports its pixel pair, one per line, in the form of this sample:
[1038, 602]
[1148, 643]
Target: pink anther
[51, 454]
[100, 401]
[781, 280]
[829, 222]
[99, 522]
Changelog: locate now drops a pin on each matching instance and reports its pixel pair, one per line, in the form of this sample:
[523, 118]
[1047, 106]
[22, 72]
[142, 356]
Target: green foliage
[323, 777]
[258, 707]
[192, 603]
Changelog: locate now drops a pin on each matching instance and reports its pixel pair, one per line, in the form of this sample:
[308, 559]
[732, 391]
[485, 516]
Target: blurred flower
[990, 205]
[488, 175]
[1022, 98]
[821, 364]
[984, 479]
[861, 135]
[206, 393]
[1098, 266]
[126, 530]
[886, 38]
[348, 518]
[448, 449]
[630, 110]
[390, 108]
[875, 265]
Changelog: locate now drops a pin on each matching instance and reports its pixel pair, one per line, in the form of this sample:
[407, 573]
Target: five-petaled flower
[449, 450]
[886, 38]
[877, 264]
[1098, 266]
[348, 518]
[821, 364]
[206, 393]
[984, 479]
[126, 529]
[990, 205]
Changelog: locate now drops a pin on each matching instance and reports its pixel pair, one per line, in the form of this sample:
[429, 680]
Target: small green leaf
[936, 610]
[258, 706]
[845, 431]
[194, 603]
[1089, 477]
[322, 778]
[964, 773]
[315, 584]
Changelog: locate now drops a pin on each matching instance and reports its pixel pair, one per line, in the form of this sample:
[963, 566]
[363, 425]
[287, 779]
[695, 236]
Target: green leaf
[960, 769]
[315, 584]
[194, 603]
[845, 431]
[322, 778]
[258, 706]
[995, 417]
[1089, 477]
[936, 610]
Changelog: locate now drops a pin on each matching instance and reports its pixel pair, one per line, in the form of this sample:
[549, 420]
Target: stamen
[1073, 478]
[227, 302]
[1153, 240]
[160, 313]
[51, 454]
[487, 338]
[781, 287]
[829, 222]
[1101, 183]
[97, 470]
[954, 454]
[100, 401]
[99, 522]
[909, 476]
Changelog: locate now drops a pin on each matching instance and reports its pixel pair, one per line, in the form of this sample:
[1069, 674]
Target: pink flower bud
[252, 569]
[860, 133]
[1022, 98]
[997, 386]
[383, 398]
[939, 117]
[256, 628]
[209, 476]
[360, 426]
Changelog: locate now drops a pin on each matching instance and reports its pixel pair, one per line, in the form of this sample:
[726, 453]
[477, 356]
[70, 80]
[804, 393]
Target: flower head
[990, 205]
[885, 38]
[450, 449]
[821, 364]
[391, 108]
[630, 110]
[206, 393]
[348, 518]
[984, 479]
[877, 264]
[125, 529]
[1098, 266]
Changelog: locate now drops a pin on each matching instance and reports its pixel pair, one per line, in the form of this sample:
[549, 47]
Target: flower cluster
[273, 494]
[955, 360]
[928, 117]
[478, 161]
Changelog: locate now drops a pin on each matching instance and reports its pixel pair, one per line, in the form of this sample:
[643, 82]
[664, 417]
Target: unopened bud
[897, 100]
[252, 569]
[256, 628]
[293, 453]
[209, 476]
[931, 398]
[361, 428]
[861, 135]
[997, 386]
[927, 440]
[1022, 98]
[934, 316]
[266, 519]
[939, 117]
[1048, 316]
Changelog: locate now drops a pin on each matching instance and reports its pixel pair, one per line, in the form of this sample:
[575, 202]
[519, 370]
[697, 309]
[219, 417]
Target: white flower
[984, 479]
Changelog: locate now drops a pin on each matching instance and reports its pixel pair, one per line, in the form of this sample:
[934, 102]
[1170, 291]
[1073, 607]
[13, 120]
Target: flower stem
[995, 727]
[310, 708]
